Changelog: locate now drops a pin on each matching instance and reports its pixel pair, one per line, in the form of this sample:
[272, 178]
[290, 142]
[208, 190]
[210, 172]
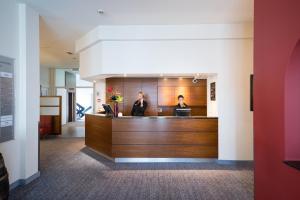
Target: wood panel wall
[161, 94]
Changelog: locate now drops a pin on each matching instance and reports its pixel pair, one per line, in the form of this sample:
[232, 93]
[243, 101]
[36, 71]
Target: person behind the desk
[139, 106]
[180, 104]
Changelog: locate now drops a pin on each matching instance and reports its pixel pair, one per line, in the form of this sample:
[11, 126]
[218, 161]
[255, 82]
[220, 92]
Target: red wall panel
[292, 106]
[276, 32]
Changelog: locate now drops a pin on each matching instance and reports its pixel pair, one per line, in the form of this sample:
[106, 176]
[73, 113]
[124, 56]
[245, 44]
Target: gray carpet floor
[69, 171]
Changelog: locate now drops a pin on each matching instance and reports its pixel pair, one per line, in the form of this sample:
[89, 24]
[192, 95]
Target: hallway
[73, 129]
[71, 171]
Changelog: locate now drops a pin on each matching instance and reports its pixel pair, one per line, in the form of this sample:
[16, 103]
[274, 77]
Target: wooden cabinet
[50, 115]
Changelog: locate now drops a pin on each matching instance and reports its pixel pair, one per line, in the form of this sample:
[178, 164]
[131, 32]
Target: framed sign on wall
[6, 99]
[213, 91]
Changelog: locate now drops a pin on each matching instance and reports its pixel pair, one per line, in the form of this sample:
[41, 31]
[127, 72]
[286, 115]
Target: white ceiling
[64, 21]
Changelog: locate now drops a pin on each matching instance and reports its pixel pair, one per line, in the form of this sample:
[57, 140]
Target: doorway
[71, 107]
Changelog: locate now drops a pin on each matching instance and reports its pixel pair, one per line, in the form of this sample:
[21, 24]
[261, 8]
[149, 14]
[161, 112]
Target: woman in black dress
[139, 106]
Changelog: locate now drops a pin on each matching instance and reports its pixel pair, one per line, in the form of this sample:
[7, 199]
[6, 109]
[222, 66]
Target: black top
[179, 106]
[137, 110]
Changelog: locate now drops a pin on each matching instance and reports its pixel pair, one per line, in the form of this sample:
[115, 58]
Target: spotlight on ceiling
[197, 77]
[100, 12]
[195, 80]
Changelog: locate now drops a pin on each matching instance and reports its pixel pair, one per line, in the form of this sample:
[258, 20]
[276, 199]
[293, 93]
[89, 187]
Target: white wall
[64, 112]
[29, 51]
[91, 60]
[45, 77]
[212, 106]
[82, 83]
[60, 78]
[45, 81]
[226, 52]
[164, 32]
[100, 94]
[19, 40]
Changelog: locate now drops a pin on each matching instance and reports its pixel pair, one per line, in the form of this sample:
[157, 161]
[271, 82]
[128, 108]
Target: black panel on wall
[251, 92]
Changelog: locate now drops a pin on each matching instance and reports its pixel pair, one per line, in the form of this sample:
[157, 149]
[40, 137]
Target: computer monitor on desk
[108, 110]
[183, 111]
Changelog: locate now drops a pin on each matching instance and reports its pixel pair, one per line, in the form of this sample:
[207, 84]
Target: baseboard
[163, 160]
[181, 160]
[233, 162]
[21, 182]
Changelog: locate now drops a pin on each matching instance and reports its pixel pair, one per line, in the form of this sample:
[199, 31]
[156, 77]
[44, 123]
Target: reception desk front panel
[153, 137]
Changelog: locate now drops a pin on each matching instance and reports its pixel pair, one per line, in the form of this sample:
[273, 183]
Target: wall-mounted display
[6, 99]
[213, 91]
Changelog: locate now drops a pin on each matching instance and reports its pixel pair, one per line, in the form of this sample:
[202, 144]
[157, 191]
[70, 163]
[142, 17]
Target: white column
[28, 90]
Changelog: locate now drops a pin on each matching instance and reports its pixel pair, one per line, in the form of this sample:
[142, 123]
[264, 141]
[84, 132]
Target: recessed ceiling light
[100, 12]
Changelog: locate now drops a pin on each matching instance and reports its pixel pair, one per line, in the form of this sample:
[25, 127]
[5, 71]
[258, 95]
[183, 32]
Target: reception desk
[152, 137]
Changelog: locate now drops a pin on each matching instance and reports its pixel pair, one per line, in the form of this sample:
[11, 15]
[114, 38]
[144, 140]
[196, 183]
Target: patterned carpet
[69, 171]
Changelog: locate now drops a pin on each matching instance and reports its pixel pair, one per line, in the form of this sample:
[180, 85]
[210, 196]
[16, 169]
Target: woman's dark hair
[180, 96]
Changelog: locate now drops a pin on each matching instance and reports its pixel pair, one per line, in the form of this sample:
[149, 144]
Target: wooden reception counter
[152, 137]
